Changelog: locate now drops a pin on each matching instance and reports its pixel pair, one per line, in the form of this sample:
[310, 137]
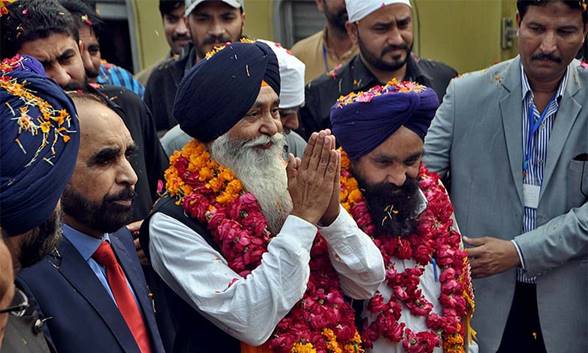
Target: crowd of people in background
[343, 196]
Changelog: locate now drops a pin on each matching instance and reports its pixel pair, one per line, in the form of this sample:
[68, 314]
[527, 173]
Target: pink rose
[400, 293]
[450, 287]
[377, 303]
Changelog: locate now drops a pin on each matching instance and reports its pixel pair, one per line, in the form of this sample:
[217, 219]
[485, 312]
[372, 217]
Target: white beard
[263, 172]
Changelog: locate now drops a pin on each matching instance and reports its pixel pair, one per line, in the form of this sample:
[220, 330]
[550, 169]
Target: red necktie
[122, 295]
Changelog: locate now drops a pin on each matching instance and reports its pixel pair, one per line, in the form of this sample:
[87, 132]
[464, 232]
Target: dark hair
[29, 20]
[167, 6]
[83, 14]
[523, 6]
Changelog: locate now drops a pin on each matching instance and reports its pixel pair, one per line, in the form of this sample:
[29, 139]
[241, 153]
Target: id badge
[531, 195]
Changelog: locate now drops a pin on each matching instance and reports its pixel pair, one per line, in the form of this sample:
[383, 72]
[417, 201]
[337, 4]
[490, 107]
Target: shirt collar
[85, 244]
[191, 60]
[362, 76]
[414, 72]
[526, 87]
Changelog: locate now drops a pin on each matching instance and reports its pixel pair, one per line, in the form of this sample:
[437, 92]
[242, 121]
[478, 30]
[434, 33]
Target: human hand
[332, 211]
[311, 180]
[490, 256]
[134, 229]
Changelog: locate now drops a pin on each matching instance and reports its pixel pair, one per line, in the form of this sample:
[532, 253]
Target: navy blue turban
[362, 121]
[39, 142]
[218, 92]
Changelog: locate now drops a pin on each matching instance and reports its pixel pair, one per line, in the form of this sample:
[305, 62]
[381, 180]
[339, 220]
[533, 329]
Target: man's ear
[242, 21]
[352, 31]
[518, 19]
[320, 5]
[86, 60]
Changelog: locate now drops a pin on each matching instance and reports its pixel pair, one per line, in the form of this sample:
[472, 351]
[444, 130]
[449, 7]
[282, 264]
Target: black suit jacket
[84, 316]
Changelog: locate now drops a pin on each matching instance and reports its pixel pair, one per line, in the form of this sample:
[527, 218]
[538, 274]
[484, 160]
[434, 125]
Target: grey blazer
[476, 136]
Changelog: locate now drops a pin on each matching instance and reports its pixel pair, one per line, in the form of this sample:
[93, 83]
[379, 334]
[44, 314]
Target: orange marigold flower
[204, 174]
[355, 196]
[186, 189]
[343, 195]
[215, 184]
[226, 174]
[303, 348]
[45, 127]
[235, 186]
[345, 162]
[60, 118]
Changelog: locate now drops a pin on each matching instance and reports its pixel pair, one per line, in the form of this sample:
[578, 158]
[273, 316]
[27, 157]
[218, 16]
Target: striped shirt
[111, 74]
[537, 151]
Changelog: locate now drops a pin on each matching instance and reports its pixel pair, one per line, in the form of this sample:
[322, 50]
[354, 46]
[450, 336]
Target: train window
[295, 20]
[117, 37]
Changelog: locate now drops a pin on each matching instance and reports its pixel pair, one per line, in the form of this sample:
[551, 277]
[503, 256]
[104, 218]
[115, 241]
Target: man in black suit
[94, 281]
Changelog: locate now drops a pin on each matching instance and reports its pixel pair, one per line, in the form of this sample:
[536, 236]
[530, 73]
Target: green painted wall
[465, 34]
[151, 42]
[258, 19]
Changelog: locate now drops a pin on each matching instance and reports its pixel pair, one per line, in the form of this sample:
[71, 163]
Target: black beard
[41, 241]
[380, 64]
[77, 86]
[338, 20]
[392, 208]
[106, 217]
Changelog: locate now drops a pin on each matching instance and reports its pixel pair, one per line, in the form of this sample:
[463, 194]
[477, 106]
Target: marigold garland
[434, 239]
[51, 122]
[322, 322]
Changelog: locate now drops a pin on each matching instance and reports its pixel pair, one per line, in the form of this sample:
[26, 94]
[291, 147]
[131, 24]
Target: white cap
[191, 4]
[291, 76]
[358, 9]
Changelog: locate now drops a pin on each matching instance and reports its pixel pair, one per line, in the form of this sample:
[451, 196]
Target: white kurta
[250, 308]
[429, 284]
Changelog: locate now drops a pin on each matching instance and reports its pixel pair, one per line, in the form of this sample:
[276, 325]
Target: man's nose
[59, 75]
[548, 43]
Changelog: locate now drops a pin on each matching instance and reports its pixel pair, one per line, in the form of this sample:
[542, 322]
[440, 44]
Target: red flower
[403, 250]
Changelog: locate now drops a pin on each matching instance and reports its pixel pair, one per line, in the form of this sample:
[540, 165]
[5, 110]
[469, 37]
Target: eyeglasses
[19, 305]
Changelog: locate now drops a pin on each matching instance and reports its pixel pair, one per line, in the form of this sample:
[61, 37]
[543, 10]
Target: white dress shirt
[250, 308]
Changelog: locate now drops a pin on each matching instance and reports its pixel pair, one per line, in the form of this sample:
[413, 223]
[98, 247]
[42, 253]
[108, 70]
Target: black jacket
[26, 333]
[192, 332]
[160, 91]
[323, 92]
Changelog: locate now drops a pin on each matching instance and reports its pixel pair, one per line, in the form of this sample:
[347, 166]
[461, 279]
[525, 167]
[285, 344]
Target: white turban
[291, 75]
[358, 9]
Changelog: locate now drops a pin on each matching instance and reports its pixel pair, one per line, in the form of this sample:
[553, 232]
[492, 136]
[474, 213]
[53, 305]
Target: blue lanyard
[534, 126]
[325, 59]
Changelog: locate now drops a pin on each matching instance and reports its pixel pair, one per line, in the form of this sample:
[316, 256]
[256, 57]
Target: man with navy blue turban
[407, 212]
[39, 141]
[229, 104]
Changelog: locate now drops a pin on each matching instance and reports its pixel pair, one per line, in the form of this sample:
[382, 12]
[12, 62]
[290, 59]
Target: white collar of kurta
[422, 205]
[358, 9]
